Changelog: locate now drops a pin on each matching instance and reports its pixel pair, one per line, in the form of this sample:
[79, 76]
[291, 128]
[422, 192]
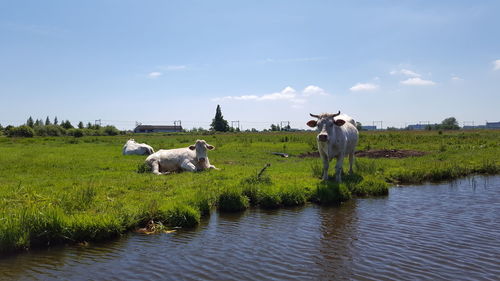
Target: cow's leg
[326, 165]
[351, 162]
[155, 168]
[338, 167]
[188, 166]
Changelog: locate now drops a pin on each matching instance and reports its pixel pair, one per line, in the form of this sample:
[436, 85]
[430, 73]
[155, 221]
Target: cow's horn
[315, 116]
[335, 115]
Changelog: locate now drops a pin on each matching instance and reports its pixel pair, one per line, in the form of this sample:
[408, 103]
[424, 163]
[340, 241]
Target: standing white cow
[193, 158]
[132, 147]
[337, 138]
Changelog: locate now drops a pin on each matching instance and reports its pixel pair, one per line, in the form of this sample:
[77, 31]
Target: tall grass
[56, 189]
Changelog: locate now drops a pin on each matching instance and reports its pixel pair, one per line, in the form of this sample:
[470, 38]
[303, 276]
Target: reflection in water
[433, 232]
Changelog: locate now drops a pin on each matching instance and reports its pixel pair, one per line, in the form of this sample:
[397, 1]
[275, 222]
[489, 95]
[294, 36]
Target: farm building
[368, 128]
[417, 127]
[492, 125]
[157, 129]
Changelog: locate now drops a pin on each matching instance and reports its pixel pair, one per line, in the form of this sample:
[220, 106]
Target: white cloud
[154, 74]
[417, 81]
[312, 90]
[364, 87]
[496, 65]
[405, 72]
[288, 94]
[456, 78]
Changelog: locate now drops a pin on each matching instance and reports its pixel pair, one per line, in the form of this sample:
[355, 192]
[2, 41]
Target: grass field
[67, 190]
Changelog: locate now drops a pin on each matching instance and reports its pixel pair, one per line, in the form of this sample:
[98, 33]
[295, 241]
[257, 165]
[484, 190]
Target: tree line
[55, 128]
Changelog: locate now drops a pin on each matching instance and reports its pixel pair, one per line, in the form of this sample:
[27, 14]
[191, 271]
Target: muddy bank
[377, 153]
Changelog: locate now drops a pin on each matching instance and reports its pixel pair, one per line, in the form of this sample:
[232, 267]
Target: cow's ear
[312, 123]
[339, 122]
[192, 147]
[210, 147]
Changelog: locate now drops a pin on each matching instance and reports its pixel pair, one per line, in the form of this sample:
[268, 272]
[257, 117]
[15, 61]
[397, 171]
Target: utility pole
[287, 126]
[377, 122]
[235, 122]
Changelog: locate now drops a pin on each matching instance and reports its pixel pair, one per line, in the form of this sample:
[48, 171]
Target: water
[435, 232]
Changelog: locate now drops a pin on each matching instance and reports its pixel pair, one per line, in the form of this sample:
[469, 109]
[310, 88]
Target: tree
[1, 127]
[449, 123]
[80, 125]
[66, 125]
[30, 122]
[359, 126]
[38, 123]
[218, 123]
[89, 126]
[55, 120]
[47, 121]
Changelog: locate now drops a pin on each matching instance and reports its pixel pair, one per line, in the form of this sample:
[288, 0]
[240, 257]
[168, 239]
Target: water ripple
[433, 232]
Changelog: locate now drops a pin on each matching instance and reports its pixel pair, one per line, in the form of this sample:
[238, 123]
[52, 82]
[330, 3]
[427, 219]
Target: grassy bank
[65, 189]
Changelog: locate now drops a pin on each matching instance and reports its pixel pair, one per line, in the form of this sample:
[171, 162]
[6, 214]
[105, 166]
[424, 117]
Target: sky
[126, 61]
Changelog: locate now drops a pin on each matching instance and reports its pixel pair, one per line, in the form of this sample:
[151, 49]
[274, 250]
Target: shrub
[183, 216]
[21, 131]
[50, 130]
[143, 168]
[111, 131]
[331, 193]
[77, 133]
[370, 186]
[232, 201]
[293, 197]
[269, 199]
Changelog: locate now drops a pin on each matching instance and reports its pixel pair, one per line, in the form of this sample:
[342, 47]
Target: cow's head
[325, 124]
[201, 147]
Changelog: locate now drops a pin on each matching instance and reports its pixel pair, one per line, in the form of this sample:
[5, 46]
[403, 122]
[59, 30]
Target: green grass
[66, 189]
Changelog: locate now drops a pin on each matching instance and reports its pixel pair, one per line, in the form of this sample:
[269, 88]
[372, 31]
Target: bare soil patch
[377, 153]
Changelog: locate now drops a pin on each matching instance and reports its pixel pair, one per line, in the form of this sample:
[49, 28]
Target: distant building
[368, 128]
[417, 127]
[492, 125]
[157, 129]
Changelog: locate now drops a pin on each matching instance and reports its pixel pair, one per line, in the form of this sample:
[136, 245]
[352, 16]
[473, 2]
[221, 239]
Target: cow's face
[201, 147]
[324, 125]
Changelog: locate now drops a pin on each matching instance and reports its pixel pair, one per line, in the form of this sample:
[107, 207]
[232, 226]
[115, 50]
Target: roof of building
[164, 127]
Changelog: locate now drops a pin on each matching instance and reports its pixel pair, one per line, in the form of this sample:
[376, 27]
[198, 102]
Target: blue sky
[263, 61]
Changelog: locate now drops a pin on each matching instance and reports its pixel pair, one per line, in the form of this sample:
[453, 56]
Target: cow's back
[171, 159]
[351, 136]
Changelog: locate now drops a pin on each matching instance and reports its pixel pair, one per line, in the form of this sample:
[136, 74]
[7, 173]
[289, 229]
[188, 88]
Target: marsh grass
[231, 200]
[57, 190]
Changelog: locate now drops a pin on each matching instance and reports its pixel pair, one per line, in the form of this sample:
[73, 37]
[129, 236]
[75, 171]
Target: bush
[293, 197]
[270, 199]
[331, 193]
[111, 131]
[77, 133]
[21, 131]
[232, 201]
[183, 215]
[50, 130]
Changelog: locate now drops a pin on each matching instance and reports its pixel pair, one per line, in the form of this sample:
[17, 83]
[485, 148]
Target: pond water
[445, 231]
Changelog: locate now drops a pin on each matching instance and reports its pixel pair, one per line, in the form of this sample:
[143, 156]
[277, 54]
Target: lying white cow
[193, 158]
[337, 138]
[132, 147]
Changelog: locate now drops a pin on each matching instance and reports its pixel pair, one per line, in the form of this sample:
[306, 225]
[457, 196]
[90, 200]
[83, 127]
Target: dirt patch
[377, 153]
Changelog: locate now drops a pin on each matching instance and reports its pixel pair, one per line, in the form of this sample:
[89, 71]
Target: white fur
[188, 159]
[341, 142]
[132, 147]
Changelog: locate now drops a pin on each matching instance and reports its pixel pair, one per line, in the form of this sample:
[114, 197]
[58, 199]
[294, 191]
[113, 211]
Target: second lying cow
[193, 158]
